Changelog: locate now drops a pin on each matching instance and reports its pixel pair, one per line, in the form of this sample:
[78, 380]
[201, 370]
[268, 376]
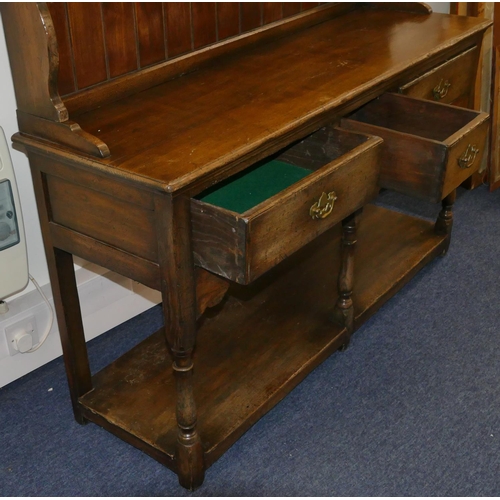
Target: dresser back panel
[100, 41]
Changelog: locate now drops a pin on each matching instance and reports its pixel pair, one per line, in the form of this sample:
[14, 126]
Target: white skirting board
[106, 299]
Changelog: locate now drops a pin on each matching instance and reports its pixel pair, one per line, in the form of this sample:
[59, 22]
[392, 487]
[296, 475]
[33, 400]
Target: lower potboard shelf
[260, 342]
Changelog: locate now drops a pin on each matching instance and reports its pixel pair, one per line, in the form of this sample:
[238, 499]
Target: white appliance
[13, 253]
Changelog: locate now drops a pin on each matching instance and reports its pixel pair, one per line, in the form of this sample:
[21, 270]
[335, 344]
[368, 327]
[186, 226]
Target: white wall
[443, 7]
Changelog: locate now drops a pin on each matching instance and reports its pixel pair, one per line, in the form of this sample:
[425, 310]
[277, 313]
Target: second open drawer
[249, 223]
[429, 148]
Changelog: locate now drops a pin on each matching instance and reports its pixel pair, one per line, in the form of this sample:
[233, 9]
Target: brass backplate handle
[441, 89]
[468, 157]
[324, 206]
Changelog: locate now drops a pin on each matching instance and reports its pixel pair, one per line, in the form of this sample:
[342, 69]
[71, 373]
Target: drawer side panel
[409, 164]
[219, 241]
[102, 217]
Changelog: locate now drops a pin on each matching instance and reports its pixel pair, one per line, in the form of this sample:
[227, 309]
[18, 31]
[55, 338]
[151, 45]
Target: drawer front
[309, 210]
[465, 154]
[448, 82]
[423, 142]
[243, 247]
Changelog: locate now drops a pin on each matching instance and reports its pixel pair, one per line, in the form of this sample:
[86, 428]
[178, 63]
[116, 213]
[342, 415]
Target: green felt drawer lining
[253, 186]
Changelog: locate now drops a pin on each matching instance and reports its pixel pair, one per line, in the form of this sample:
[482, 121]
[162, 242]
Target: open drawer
[247, 224]
[429, 148]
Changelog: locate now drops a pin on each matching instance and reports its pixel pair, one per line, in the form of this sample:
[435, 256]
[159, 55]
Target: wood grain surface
[260, 114]
[150, 33]
[91, 65]
[189, 27]
[120, 38]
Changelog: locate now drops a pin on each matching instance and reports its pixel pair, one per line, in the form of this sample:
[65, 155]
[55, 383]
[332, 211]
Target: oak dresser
[226, 155]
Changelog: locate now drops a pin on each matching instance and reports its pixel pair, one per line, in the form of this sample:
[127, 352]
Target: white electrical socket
[13, 253]
[17, 335]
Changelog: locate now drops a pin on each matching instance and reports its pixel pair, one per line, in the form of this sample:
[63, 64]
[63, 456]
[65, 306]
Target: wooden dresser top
[197, 129]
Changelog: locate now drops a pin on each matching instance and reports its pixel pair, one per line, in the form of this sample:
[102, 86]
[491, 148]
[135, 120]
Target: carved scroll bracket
[66, 133]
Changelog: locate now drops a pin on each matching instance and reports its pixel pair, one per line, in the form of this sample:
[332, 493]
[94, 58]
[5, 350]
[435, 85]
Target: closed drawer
[448, 82]
[249, 223]
[429, 148]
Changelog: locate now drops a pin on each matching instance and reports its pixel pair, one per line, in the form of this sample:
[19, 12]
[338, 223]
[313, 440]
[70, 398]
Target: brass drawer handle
[468, 157]
[324, 206]
[441, 90]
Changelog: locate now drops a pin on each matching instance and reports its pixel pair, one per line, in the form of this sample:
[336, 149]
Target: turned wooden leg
[189, 457]
[344, 310]
[179, 309]
[67, 305]
[444, 222]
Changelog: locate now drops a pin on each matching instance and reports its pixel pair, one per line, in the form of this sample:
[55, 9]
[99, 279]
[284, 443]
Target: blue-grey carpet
[412, 408]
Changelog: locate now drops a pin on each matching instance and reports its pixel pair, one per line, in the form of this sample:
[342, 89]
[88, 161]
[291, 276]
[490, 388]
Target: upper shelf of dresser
[195, 129]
